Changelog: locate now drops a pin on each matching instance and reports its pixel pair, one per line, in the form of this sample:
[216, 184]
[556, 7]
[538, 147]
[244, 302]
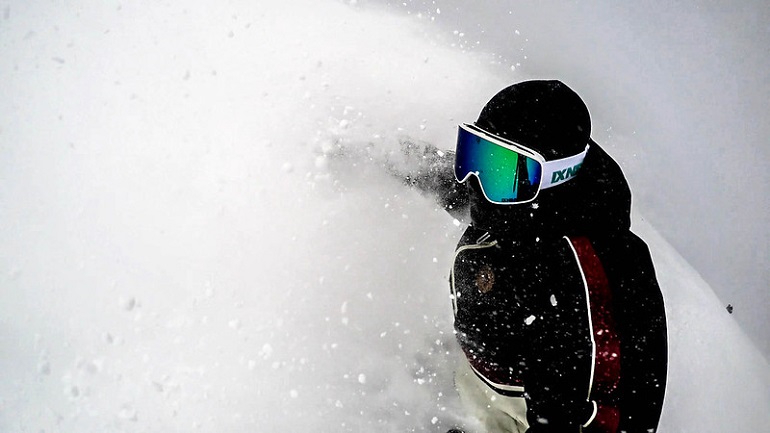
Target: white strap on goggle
[559, 171]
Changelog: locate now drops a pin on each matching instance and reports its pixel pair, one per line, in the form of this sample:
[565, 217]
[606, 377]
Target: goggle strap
[559, 171]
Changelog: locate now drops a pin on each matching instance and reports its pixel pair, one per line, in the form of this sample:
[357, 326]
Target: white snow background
[177, 253]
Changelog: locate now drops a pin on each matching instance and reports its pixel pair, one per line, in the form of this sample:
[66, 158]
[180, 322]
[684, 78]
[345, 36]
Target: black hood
[552, 119]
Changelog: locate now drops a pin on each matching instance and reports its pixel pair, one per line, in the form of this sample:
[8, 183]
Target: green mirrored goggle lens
[506, 176]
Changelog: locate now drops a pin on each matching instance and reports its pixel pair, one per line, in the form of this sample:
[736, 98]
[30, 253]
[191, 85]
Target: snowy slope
[718, 380]
[176, 253]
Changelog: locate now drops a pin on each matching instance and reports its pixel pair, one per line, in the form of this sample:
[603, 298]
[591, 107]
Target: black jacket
[557, 301]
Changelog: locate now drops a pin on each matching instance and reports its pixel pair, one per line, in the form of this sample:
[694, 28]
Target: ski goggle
[508, 172]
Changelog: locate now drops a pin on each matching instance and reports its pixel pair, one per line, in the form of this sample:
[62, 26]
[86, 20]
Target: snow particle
[293, 393]
[321, 162]
[529, 320]
[362, 378]
[74, 391]
[128, 304]
[128, 413]
[267, 351]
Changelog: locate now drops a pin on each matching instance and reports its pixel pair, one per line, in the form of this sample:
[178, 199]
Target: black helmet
[546, 116]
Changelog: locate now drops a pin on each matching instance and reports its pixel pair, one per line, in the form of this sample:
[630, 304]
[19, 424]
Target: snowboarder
[556, 303]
